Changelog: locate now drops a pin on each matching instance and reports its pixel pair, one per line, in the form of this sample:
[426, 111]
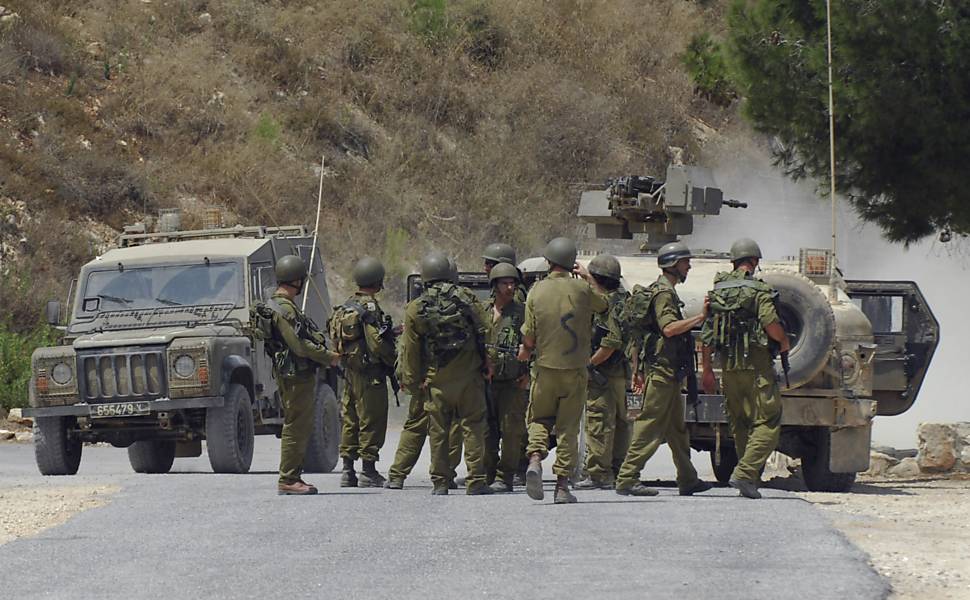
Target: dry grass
[452, 128]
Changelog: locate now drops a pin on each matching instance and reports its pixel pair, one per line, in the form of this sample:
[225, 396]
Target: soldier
[296, 373]
[498, 253]
[509, 385]
[664, 355]
[558, 314]
[443, 356]
[607, 430]
[364, 336]
[743, 329]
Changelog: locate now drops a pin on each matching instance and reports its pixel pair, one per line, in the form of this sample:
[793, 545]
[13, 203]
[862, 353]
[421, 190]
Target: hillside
[445, 124]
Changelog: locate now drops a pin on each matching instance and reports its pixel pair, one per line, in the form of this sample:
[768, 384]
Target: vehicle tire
[322, 451]
[152, 456]
[810, 323]
[230, 432]
[729, 460]
[815, 465]
[55, 451]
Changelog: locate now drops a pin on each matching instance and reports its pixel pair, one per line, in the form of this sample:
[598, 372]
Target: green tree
[902, 102]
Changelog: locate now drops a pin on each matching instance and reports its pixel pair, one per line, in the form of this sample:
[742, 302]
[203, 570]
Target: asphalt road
[194, 534]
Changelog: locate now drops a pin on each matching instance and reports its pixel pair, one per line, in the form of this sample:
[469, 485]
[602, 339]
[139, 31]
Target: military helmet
[435, 267]
[669, 254]
[561, 251]
[368, 272]
[290, 268]
[744, 248]
[605, 265]
[499, 253]
[503, 271]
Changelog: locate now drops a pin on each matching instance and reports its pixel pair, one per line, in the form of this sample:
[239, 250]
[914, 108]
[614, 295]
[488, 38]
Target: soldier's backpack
[450, 321]
[636, 315]
[346, 328]
[734, 317]
[261, 325]
[617, 304]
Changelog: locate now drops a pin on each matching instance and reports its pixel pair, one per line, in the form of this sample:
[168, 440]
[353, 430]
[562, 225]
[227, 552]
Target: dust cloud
[784, 216]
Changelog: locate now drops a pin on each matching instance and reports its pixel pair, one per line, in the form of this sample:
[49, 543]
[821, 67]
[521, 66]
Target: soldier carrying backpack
[364, 337]
[743, 329]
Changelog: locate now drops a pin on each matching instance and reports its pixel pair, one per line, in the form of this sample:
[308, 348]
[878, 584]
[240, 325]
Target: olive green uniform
[662, 417]
[607, 430]
[558, 315]
[414, 433]
[442, 347]
[508, 398]
[297, 383]
[747, 374]
[357, 327]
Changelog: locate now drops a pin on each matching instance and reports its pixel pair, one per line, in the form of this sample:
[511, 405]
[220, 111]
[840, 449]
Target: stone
[205, 19]
[937, 447]
[880, 463]
[908, 467]
[16, 415]
[6, 435]
[24, 436]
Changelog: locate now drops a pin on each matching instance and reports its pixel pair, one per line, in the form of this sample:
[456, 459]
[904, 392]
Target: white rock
[16, 415]
[205, 19]
[6, 435]
[880, 463]
[24, 436]
[937, 447]
[908, 467]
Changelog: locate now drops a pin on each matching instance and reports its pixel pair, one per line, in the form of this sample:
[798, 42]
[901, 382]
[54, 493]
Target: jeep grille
[121, 374]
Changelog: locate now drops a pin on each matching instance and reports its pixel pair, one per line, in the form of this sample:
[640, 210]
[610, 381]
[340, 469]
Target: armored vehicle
[859, 348]
[159, 353]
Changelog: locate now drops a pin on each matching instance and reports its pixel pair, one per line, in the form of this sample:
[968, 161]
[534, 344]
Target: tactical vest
[346, 328]
[735, 328]
[450, 323]
[261, 324]
[506, 346]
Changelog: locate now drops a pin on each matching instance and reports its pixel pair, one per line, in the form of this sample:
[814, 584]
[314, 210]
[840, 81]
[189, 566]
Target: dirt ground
[916, 532]
[26, 510]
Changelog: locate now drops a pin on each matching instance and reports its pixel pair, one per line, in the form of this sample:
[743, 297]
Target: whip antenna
[828, 25]
[316, 231]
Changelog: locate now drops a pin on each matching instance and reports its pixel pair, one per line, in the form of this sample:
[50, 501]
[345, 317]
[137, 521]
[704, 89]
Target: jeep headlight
[184, 366]
[62, 373]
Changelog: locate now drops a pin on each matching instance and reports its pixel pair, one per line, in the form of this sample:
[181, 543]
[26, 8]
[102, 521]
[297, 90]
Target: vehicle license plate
[120, 409]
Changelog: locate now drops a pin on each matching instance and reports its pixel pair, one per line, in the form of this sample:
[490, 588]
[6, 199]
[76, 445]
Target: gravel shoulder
[916, 532]
[29, 509]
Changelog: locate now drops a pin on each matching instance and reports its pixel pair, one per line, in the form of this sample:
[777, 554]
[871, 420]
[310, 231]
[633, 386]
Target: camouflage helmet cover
[605, 265]
[561, 251]
[745, 248]
[290, 268]
[435, 267]
[499, 253]
[669, 254]
[368, 272]
[503, 271]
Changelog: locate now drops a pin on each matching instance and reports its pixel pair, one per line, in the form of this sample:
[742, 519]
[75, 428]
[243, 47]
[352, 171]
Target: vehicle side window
[262, 279]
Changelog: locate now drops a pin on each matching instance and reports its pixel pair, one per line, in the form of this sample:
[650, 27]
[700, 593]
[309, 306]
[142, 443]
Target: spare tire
[808, 318]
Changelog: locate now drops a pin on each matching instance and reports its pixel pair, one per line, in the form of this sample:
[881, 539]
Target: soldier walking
[364, 336]
[558, 318]
[743, 330]
[607, 430]
[509, 386]
[664, 356]
[295, 371]
[443, 355]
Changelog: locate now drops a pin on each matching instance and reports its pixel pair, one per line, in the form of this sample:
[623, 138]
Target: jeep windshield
[125, 297]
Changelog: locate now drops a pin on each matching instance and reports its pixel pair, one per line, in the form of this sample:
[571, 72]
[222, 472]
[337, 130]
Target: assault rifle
[785, 367]
[687, 365]
[387, 331]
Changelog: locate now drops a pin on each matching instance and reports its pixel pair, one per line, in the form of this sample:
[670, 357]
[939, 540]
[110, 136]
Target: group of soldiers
[505, 379]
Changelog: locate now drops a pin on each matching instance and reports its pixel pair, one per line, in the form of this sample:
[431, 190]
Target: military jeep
[159, 355]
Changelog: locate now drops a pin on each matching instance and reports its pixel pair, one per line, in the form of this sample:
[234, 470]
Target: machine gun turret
[663, 210]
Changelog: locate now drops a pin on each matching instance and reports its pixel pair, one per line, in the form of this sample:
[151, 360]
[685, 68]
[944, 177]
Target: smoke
[784, 216]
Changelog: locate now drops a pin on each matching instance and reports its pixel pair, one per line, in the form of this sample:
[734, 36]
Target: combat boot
[349, 477]
[563, 495]
[518, 479]
[637, 490]
[394, 484]
[695, 488]
[533, 477]
[479, 489]
[297, 488]
[440, 489]
[591, 483]
[748, 489]
[453, 485]
[501, 487]
[369, 477]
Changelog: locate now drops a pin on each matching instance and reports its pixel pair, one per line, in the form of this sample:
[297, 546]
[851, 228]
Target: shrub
[707, 68]
[15, 351]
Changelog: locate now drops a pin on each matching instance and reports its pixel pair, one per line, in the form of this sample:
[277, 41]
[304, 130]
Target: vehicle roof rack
[126, 240]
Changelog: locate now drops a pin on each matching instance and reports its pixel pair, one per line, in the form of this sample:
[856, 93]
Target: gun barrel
[735, 204]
